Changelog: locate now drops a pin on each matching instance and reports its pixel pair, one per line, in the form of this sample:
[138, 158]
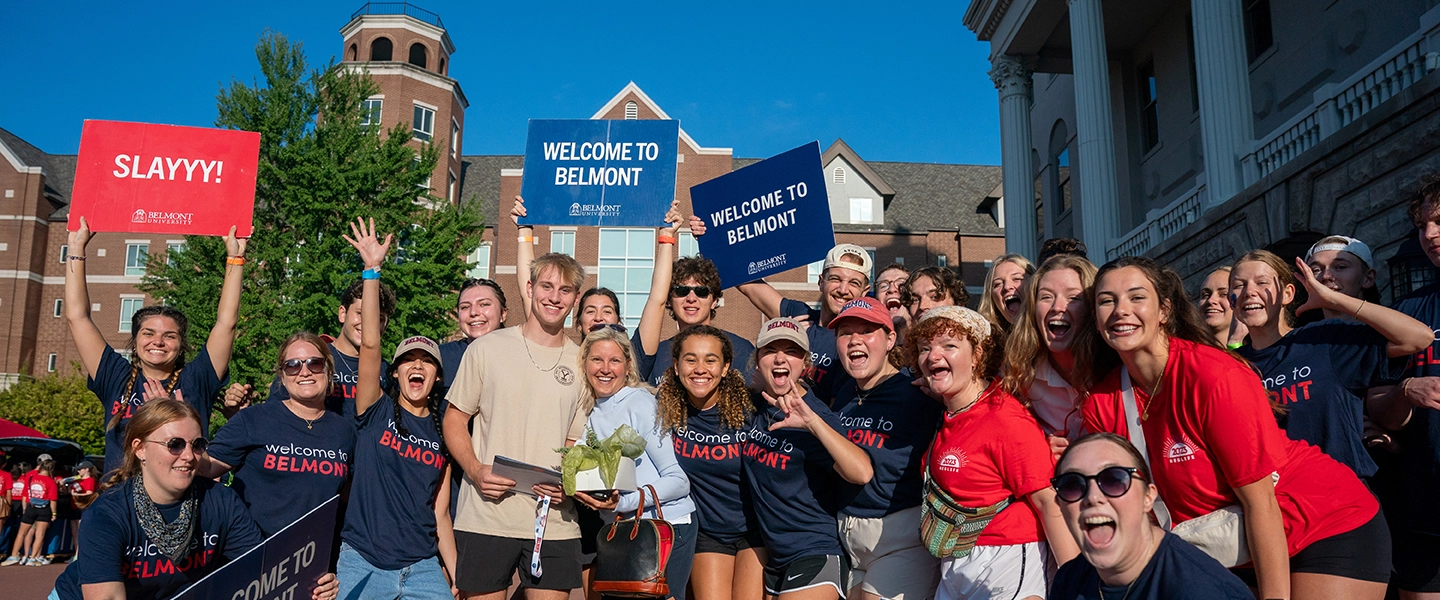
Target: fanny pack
[948, 529]
[39, 503]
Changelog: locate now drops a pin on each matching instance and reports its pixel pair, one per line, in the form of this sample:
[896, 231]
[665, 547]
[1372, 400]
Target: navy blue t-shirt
[283, 466]
[1320, 373]
[825, 372]
[792, 479]
[894, 424]
[1419, 472]
[1177, 571]
[342, 389]
[653, 366]
[709, 453]
[450, 355]
[117, 549]
[199, 385]
[391, 516]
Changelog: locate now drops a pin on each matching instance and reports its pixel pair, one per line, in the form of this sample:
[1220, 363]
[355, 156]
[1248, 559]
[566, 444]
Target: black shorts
[36, 514]
[486, 563]
[727, 545]
[1417, 562]
[590, 525]
[1362, 553]
[807, 572]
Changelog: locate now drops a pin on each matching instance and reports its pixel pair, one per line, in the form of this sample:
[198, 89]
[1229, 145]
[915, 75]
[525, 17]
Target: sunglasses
[314, 364]
[177, 445]
[1114, 482]
[681, 291]
[611, 326]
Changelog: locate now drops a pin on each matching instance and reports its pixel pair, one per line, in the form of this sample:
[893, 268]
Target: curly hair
[703, 271]
[352, 294]
[732, 397]
[1025, 344]
[1424, 199]
[946, 282]
[989, 349]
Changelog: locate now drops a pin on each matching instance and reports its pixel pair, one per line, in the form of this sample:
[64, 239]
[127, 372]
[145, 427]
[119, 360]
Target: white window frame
[634, 265]
[371, 110]
[134, 259]
[813, 271]
[59, 307]
[171, 247]
[454, 138]
[686, 244]
[134, 303]
[862, 210]
[562, 241]
[64, 253]
[423, 126]
[479, 262]
[50, 362]
[454, 188]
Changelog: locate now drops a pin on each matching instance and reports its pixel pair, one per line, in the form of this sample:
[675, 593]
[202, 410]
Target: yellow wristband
[526, 239]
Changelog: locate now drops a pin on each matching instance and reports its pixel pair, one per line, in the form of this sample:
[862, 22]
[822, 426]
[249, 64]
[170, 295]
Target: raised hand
[237, 396]
[517, 211]
[697, 226]
[1320, 296]
[672, 219]
[235, 247]
[79, 238]
[366, 241]
[797, 412]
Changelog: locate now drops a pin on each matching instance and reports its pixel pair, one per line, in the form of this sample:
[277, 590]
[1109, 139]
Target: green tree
[60, 406]
[320, 168]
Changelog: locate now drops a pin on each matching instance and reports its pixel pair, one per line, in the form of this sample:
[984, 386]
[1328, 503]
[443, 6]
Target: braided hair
[435, 401]
[136, 321]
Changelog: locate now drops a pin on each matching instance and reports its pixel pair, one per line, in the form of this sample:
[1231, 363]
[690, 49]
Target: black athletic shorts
[486, 563]
[807, 572]
[1362, 553]
[727, 545]
[34, 514]
[1417, 562]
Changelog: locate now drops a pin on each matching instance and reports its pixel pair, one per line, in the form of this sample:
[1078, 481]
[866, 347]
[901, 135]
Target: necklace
[309, 423]
[532, 357]
[951, 413]
[1150, 400]
[1100, 587]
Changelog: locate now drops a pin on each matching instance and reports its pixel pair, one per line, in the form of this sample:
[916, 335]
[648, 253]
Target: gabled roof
[58, 169]
[843, 150]
[633, 91]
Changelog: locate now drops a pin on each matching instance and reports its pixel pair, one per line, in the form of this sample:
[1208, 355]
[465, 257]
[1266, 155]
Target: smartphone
[601, 495]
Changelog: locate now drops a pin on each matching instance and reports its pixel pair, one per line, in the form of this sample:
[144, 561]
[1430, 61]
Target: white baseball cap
[855, 252]
[1345, 243]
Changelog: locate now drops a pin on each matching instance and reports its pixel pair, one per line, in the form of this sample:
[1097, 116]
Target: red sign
[165, 179]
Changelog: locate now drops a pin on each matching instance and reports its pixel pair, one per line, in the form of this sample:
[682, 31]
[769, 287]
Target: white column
[1095, 135]
[1223, 74]
[1012, 78]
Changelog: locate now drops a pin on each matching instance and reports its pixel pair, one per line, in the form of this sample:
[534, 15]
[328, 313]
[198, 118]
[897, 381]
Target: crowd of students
[887, 442]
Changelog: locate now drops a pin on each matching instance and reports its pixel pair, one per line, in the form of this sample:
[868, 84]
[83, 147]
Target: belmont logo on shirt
[717, 447]
[146, 560]
[300, 459]
[953, 461]
[1179, 451]
[768, 450]
[867, 431]
[423, 451]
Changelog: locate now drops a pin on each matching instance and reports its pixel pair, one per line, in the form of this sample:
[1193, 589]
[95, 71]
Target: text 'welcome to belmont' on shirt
[390, 520]
[792, 479]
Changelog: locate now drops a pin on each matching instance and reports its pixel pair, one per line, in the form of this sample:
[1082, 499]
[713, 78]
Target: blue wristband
[370, 274]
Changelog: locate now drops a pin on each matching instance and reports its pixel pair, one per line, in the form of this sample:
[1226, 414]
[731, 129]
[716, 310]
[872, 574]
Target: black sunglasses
[177, 445]
[612, 326]
[1114, 482]
[314, 364]
[681, 291]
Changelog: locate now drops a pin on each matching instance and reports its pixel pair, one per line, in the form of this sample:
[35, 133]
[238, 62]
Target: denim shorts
[359, 580]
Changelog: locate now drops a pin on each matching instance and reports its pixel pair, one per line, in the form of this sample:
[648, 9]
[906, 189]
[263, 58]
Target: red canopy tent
[9, 429]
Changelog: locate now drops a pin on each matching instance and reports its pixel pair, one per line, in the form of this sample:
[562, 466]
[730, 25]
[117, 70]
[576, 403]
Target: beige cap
[783, 328]
[857, 253]
[418, 342]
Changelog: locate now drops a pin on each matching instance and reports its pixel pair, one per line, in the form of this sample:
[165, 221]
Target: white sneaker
[39, 561]
[13, 560]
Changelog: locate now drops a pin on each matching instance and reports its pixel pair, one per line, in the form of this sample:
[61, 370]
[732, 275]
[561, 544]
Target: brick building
[916, 213]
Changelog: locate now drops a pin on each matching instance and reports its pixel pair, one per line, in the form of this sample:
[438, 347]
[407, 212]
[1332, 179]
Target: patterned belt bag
[948, 529]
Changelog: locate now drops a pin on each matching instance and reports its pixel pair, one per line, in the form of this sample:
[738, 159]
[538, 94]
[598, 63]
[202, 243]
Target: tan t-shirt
[523, 413]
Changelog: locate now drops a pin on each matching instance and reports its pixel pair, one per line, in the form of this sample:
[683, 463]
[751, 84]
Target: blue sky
[899, 81]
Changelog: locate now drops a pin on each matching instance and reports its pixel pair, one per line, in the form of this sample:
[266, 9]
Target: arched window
[632, 112]
[442, 66]
[417, 54]
[381, 49]
[354, 52]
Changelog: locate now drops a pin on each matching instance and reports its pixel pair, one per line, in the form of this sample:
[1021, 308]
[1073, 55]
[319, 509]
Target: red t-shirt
[1211, 429]
[6, 491]
[80, 486]
[42, 487]
[18, 487]
[993, 451]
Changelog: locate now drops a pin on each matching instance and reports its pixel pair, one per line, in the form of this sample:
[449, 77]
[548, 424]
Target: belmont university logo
[161, 217]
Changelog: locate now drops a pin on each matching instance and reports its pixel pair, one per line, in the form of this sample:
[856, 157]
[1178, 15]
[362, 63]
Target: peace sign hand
[367, 242]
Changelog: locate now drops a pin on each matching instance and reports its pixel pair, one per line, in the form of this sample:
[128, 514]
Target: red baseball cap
[866, 309]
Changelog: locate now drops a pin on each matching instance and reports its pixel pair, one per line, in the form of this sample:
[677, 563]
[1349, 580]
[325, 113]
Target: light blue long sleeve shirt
[657, 467]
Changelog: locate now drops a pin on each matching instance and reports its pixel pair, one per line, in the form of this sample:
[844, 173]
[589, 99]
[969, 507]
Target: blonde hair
[1283, 276]
[570, 269]
[1024, 346]
[988, 309]
[632, 372]
[313, 340]
[150, 417]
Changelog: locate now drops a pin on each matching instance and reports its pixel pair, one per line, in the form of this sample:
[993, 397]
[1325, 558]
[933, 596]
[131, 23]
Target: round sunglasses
[681, 291]
[177, 445]
[1114, 482]
[314, 364]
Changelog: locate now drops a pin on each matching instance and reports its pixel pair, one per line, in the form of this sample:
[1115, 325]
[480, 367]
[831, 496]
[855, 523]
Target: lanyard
[542, 510]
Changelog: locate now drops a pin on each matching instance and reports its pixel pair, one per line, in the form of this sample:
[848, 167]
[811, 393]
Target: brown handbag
[631, 554]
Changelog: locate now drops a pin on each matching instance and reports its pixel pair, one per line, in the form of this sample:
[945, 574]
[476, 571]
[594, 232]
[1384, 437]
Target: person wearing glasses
[1310, 526]
[989, 457]
[889, 290]
[621, 397]
[288, 456]
[159, 526]
[596, 306]
[692, 300]
[704, 405]
[1123, 554]
[1041, 346]
[158, 346]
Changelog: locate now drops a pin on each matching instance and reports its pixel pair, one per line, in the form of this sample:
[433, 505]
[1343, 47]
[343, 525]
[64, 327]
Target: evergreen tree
[320, 168]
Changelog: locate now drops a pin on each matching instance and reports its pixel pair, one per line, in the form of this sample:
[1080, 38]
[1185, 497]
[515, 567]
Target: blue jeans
[359, 580]
[682, 558]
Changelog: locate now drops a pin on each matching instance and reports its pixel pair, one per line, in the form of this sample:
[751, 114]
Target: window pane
[861, 210]
[688, 246]
[479, 262]
[627, 259]
[812, 271]
[612, 243]
[135, 255]
[128, 306]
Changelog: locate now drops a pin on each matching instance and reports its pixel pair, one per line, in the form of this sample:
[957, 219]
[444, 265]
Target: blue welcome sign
[599, 172]
[283, 567]
[766, 218]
